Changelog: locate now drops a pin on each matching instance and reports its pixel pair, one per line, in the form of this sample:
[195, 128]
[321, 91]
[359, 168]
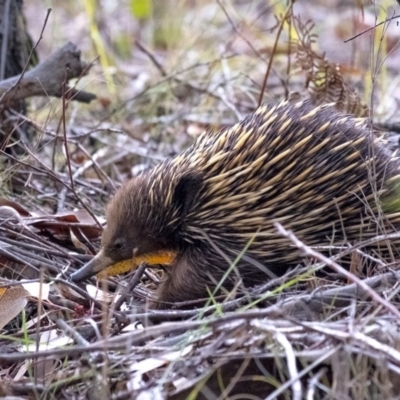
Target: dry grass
[194, 65]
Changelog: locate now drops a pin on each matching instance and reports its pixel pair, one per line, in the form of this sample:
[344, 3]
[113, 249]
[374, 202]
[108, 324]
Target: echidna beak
[97, 264]
[105, 266]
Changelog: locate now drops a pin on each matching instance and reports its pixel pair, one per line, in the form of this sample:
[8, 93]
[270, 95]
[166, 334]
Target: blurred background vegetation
[163, 71]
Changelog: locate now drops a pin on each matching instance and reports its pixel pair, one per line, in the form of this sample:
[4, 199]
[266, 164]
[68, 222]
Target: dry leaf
[10, 214]
[22, 370]
[150, 364]
[12, 204]
[77, 243]
[59, 224]
[100, 295]
[37, 289]
[52, 339]
[12, 301]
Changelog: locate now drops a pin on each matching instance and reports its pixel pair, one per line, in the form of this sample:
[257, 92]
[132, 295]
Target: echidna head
[145, 220]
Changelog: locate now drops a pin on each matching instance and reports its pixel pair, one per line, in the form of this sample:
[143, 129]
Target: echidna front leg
[183, 283]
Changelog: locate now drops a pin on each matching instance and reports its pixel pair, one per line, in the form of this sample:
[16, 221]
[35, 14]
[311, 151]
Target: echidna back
[316, 171]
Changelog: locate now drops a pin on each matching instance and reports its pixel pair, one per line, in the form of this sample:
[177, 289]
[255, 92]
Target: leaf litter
[289, 338]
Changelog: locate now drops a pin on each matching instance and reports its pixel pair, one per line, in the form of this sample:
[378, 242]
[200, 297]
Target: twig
[72, 333]
[236, 29]
[337, 268]
[371, 28]
[174, 77]
[135, 279]
[278, 34]
[275, 394]
[51, 173]
[152, 57]
[64, 106]
[297, 392]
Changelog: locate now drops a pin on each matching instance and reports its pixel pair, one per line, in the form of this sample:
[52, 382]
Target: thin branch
[337, 268]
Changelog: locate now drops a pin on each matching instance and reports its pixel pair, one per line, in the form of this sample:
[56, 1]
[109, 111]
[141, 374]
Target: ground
[164, 71]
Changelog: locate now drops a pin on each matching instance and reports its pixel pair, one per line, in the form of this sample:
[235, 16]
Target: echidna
[316, 171]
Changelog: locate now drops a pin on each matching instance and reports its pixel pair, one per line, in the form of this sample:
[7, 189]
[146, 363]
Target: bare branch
[46, 79]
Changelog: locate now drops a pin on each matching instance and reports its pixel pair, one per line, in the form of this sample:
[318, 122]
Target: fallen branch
[46, 79]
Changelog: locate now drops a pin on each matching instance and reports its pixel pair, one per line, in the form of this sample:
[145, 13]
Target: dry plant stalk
[324, 82]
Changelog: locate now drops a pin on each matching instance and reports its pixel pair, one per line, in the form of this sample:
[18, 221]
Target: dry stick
[18, 80]
[235, 28]
[175, 78]
[38, 259]
[20, 259]
[289, 52]
[29, 57]
[79, 171]
[131, 285]
[53, 175]
[69, 164]
[313, 382]
[98, 305]
[71, 179]
[261, 289]
[39, 362]
[231, 305]
[297, 392]
[371, 28]
[337, 268]
[136, 337]
[74, 93]
[72, 333]
[69, 160]
[92, 162]
[17, 282]
[42, 246]
[152, 57]
[320, 360]
[288, 9]
[27, 389]
[235, 379]
[285, 306]
[139, 336]
[96, 166]
[47, 171]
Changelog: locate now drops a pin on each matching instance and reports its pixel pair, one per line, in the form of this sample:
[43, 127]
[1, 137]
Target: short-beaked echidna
[319, 173]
